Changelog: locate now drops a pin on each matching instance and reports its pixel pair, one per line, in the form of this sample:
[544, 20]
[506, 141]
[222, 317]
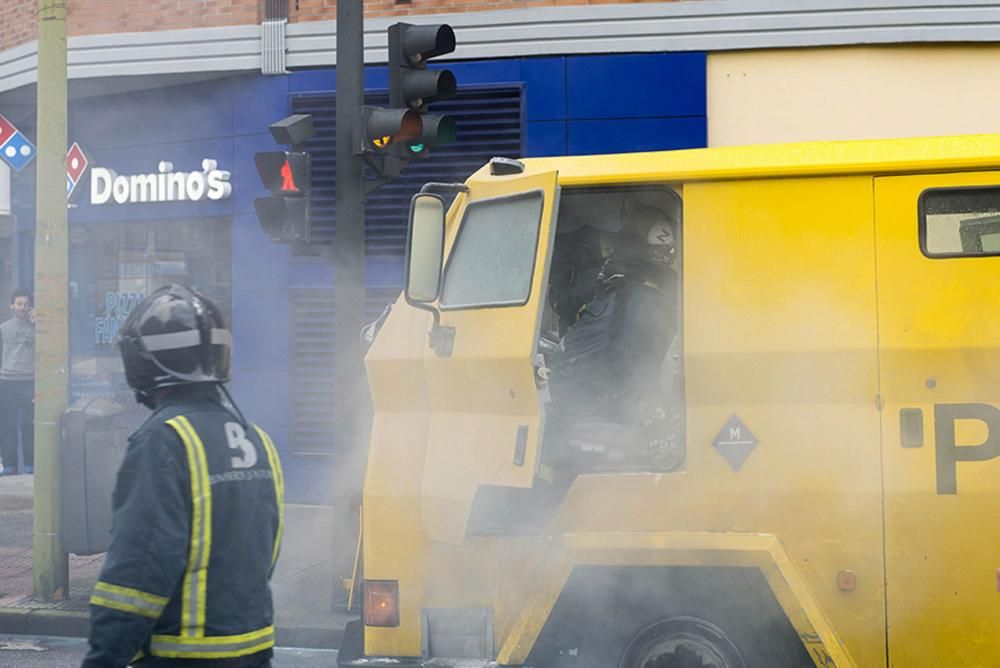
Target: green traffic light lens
[417, 148]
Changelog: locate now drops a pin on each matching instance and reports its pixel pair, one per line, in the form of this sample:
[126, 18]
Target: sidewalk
[303, 582]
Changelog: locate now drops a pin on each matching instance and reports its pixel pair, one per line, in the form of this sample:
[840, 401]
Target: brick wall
[17, 22]
[90, 17]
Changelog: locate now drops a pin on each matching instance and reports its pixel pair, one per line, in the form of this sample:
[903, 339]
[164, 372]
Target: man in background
[17, 384]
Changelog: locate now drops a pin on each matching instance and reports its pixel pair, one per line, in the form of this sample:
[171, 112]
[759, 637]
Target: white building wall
[858, 92]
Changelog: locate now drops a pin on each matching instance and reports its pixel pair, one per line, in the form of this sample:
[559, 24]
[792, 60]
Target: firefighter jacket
[197, 524]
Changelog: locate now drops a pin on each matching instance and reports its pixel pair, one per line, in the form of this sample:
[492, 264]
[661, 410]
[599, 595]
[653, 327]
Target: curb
[308, 638]
[42, 622]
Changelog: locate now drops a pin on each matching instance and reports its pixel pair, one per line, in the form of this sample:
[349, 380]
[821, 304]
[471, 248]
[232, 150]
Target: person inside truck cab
[577, 258]
[606, 373]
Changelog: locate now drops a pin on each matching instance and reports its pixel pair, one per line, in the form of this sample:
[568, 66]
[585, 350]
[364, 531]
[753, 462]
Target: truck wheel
[682, 642]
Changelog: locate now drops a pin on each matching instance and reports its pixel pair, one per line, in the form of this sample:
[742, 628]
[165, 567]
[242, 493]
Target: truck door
[486, 409]
[938, 257]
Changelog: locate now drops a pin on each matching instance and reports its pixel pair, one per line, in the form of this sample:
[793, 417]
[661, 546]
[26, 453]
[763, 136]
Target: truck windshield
[493, 260]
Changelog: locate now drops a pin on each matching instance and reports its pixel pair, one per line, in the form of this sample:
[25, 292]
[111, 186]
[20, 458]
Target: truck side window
[960, 222]
[493, 260]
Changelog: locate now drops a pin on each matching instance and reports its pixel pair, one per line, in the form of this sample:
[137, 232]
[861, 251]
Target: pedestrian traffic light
[284, 215]
[413, 86]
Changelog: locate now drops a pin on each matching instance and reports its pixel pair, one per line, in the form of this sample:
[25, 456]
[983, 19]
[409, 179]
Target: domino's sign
[165, 185]
[15, 149]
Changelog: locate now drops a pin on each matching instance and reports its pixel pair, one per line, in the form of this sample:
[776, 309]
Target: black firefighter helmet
[175, 336]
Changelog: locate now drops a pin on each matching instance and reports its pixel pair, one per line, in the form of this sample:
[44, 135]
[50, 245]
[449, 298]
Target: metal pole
[350, 393]
[51, 564]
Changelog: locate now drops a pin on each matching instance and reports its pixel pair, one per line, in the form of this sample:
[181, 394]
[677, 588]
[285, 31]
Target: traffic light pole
[350, 391]
[49, 561]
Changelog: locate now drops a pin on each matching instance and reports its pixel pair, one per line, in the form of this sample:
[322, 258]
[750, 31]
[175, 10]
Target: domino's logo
[15, 149]
[76, 165]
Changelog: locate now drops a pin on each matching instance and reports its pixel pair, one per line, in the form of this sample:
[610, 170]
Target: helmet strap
[145, 399]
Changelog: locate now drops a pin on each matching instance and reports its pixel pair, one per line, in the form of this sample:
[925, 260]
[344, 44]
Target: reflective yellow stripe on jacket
[196, 575]
[127, 599]
[212, 647]
[279, 487]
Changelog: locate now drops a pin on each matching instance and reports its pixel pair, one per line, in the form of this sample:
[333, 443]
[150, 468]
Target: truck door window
[611, 343]
[493, 260]
[960, 222]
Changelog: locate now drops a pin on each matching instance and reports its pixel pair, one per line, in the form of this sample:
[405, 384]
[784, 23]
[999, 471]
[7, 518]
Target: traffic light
[413, 86]
[387, 129]
[405, 130]
[284, 216]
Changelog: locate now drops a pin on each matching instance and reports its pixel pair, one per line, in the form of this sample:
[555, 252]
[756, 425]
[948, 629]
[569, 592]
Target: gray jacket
[18, 338]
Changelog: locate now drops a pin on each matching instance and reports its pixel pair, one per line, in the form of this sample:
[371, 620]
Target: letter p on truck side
[807, 472]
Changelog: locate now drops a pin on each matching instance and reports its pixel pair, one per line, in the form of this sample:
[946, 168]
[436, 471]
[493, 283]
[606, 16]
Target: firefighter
[197, 505]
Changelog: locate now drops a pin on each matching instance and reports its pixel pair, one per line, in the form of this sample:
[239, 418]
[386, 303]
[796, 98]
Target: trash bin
[91, 452]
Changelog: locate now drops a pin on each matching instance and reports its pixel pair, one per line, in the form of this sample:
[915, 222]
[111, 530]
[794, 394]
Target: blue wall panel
[634, 134]
[544, 88]
[479, 72]
[377, 78]
[384, 272]
[312, 80]
[261, 395]
[256, 99]
[635, 86]
[545, 138]
[261, 316]
[178, 113]
[310, 273]
[258, 264]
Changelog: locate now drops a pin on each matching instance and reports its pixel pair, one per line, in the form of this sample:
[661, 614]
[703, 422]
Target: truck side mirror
[424, 249]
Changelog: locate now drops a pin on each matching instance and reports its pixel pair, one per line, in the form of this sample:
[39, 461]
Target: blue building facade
[277, 297]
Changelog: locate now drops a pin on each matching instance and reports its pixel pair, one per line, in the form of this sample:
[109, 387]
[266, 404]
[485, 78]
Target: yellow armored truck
[831, 393]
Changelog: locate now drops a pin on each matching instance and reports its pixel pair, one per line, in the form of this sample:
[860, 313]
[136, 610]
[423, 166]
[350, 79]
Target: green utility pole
[51, 564]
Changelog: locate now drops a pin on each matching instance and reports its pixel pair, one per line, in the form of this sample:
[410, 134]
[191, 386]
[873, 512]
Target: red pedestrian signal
[284, 215]
[288, 178]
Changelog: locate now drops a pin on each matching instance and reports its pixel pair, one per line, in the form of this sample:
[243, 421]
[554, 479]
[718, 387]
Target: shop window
[113, 266]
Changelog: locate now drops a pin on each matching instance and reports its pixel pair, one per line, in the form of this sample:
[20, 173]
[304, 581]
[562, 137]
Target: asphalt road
[53, 652]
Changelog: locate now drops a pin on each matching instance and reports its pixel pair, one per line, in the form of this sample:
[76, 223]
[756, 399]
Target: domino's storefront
[120, 252]
[164, 192]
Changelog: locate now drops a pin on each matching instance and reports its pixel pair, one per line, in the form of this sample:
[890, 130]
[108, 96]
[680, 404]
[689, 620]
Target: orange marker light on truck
[381, 602]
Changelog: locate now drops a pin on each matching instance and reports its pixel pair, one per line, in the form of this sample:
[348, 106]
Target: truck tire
[682, 642]
[667, 617]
